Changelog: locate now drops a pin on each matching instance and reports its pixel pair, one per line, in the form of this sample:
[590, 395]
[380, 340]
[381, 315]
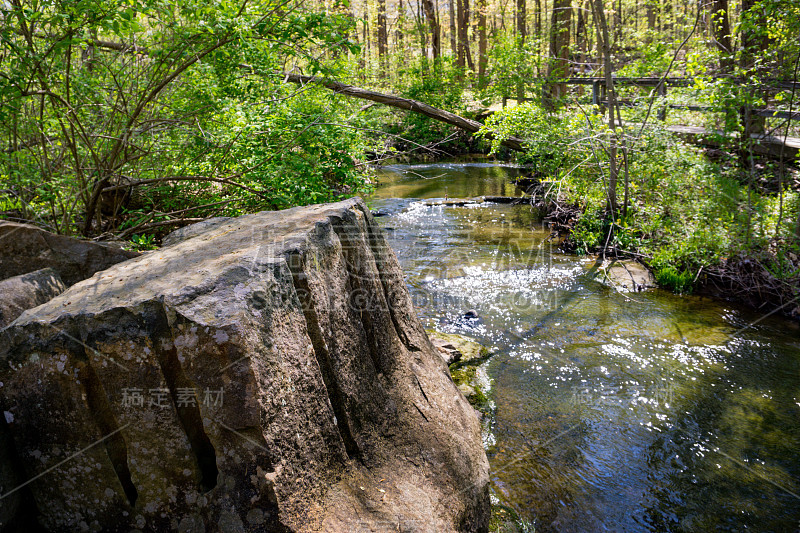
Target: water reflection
[615, 412]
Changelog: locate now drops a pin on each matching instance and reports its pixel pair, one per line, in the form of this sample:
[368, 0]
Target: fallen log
[460, 202]
[472, 126]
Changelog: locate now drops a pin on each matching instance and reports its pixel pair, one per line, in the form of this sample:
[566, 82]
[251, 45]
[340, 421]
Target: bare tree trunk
[452, 9]
[467, 46]
[433, 25]
[605, 46]
[558, 64]
[365, 38]
[383, 35]
[580, 33]
[354, 17]
[651, 19]
[460, 59]
[522, 33]
[398, 34]
[423, 33]
[464, 57]
[580, 40]
[483, 58]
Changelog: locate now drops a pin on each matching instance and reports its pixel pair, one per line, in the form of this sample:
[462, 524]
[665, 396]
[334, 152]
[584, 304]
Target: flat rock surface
[187, 232]
[268, 374]
[625, 275]
[468, 349]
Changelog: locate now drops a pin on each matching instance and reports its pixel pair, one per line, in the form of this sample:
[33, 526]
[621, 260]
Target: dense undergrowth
[261, 155]
[126, 121]
[692, 218]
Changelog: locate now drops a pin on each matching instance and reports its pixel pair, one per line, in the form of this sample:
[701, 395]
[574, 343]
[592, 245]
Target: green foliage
[653, 60]
[669, 278]
[439, 84]
[685, 213]
[512, 63]
[296, 153]
[553, 142]
[83, 108]
[143, 242]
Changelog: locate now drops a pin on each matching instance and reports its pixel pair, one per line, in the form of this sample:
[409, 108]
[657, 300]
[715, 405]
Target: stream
[632, 412]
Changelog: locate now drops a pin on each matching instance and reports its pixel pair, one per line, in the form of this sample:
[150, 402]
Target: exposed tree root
[753, 280]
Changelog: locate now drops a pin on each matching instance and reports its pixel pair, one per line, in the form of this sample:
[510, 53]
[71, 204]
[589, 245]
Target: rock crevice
[320, 347]
[265, 373]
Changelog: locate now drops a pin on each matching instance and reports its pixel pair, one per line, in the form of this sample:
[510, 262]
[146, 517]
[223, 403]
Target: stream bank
[469, 371]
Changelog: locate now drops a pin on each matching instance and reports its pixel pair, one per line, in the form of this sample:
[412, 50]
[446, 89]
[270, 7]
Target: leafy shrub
[511, 64]
[297, 152]
[684, 211]
[439, 84]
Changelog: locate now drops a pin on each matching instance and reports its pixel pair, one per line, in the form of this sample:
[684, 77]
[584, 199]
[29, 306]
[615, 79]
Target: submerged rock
[470, 351]
[467, 369]
[450, 354]
[477, 200]
[268, 374]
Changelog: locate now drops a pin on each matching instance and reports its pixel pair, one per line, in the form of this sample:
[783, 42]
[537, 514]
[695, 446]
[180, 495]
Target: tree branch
[184, 178]
[471, 126]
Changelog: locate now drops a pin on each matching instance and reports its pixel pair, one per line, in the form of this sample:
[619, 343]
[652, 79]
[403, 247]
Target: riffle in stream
[614, 411]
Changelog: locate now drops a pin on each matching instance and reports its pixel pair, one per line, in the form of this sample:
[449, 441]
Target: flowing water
[614, 411]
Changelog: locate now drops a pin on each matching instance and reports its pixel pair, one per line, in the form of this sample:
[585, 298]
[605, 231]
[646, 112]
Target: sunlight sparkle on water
[634, 391]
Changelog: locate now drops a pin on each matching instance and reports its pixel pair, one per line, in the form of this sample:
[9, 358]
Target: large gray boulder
[269, 374]
[187, 232]
[24, 292]
[25, 248]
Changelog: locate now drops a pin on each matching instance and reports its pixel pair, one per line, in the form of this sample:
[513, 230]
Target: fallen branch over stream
[472, 126]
